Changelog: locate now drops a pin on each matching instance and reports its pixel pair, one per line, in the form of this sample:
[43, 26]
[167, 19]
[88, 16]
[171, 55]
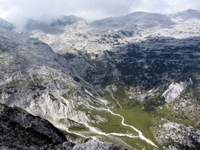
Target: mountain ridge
[85, 80]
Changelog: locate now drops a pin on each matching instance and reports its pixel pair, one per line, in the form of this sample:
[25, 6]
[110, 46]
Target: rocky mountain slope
[130, 84]
[20, 130]
[23, 131]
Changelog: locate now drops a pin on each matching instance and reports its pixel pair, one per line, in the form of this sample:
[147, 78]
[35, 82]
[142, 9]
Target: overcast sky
[18, 11]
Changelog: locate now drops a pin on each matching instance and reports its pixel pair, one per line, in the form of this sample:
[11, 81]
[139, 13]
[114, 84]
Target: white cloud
[18, 11]
[166, 6]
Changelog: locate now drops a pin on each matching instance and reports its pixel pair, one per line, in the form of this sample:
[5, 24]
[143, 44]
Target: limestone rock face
[174, 90]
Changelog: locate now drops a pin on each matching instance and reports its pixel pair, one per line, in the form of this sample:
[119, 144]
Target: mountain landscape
[125, 82]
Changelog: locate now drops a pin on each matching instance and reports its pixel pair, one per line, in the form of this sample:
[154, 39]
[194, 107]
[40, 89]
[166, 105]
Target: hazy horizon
[18, 11]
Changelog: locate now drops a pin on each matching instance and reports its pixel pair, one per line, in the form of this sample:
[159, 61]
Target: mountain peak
[188, 14]
[132, 20]
[191, 10]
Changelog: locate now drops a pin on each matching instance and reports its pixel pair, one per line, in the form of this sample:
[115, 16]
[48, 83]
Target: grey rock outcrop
[95, 145]
[21, 130]
[179, 136]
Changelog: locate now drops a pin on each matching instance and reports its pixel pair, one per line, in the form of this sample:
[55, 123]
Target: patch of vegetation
[112, 102]
[74, 137]
[113, 124]
[11, 87]
[123, 99]
[68, 92]
[53, 98]
[137, 117]
[168, 113]
[135, 114]
[73, 126]
[98, 72]
[198, 77]
[153, 102]
[66, 96]
[140, 119]
[193, 92]
[78, 127]
[77, 79]
[69, 56]
[14, 83]
[20, 109]
[35, 84]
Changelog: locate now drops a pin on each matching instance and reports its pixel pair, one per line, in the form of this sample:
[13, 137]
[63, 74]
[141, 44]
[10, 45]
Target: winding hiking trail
[140, 135]
[95, 130]
[111, 94]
